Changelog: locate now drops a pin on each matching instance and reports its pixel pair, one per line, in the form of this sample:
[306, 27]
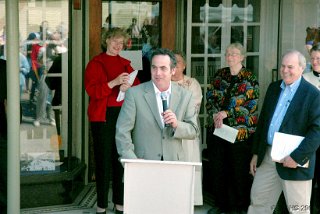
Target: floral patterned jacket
[238, 97]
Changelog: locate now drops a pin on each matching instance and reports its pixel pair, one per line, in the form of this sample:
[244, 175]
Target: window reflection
[237, 34]
[252, 63]
[253, 35]
[140, 19]
[217, 12]
[198, 41]
[3, 42]
[255, 5]
[43, 32]
[214, 40]
[197, 69]
[214, 64]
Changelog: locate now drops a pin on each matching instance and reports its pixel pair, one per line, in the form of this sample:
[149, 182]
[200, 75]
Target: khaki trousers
[267, 187]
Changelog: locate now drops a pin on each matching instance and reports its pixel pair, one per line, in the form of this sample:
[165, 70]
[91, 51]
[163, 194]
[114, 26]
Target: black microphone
[164, 99]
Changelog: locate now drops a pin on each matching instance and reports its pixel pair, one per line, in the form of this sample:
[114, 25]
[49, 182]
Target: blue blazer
[302, 118]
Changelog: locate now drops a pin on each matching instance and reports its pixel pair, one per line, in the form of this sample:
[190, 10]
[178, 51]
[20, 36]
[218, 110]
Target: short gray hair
[301, 58]
[238, 46]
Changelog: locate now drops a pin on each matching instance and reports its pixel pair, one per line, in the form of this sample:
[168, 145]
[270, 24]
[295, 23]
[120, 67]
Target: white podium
[158, 187]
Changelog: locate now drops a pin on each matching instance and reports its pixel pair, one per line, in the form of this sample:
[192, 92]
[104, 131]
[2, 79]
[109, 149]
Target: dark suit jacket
[302, 118]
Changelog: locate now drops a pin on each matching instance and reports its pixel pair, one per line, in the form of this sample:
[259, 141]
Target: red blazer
[100, 70]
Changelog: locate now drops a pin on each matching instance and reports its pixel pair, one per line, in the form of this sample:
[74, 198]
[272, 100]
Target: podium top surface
[160, 162]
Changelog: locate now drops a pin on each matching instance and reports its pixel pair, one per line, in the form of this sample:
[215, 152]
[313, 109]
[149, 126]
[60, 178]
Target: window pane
[214, 63]
[141, 19]
[197, 43]
[253, 11]
[43, 64]
[237, 12]
[253, 38]
[215, 11]
[198, 14]
[239, 3]
[252, 63]
[2, 29]
[197, 69]
[214, 40]
[237, 34]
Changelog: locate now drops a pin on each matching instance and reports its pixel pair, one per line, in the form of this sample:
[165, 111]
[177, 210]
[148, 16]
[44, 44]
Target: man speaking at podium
[156, 115]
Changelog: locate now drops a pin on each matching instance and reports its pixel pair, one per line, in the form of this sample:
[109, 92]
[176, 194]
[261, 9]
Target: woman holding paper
[232, 100]
[106, 75]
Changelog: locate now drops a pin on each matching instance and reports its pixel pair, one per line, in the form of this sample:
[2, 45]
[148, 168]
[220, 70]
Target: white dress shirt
[159, 100]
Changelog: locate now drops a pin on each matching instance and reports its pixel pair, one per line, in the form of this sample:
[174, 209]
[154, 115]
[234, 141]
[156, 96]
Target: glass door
[141, 19]
[44, 42]
[213, 25]
[43, 31]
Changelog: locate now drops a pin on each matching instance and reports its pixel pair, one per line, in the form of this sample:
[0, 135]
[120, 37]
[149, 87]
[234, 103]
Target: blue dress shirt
[287, 93]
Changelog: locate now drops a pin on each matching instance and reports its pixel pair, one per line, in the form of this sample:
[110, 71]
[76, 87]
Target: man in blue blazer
[141, 130]
[291, 106]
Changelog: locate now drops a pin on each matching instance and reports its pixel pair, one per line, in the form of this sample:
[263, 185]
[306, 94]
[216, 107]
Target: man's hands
[289, 162]
[286, 162]
[170, 118]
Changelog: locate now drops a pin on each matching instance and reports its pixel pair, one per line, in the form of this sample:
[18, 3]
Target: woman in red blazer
[107, 74]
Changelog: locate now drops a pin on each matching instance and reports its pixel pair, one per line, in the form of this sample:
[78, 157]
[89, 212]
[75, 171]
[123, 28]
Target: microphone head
[163, 96]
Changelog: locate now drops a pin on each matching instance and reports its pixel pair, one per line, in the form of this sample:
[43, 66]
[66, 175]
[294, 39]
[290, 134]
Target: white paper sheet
[132, 76]
[227, 133]
[283, 145]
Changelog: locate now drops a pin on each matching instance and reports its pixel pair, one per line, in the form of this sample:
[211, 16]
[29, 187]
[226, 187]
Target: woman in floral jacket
[232, 100]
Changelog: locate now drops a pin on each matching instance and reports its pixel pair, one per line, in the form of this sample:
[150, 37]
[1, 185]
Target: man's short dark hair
[164, 51]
